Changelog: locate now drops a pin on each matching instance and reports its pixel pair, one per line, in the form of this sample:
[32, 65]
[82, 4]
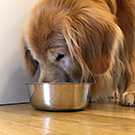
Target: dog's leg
[128, 97]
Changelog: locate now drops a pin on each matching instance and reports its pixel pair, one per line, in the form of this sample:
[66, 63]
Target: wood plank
[97, 119]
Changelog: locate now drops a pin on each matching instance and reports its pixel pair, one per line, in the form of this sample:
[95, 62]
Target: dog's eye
[59, 56]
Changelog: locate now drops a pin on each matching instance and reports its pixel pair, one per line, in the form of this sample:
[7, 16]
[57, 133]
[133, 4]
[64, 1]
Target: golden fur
[99, 35]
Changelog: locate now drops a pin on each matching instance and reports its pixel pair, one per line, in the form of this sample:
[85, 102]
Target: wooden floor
[95, 120]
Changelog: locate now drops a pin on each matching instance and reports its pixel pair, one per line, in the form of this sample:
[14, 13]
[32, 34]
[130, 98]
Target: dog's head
[70, 40]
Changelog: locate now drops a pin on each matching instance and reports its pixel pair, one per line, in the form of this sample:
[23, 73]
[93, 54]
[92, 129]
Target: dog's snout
[65, 79]
[54, 77]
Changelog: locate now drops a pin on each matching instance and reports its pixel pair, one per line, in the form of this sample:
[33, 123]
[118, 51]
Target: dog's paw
[115, 97]
[128, 98]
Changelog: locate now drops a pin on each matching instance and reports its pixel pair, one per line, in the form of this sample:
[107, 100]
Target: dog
[82, 41]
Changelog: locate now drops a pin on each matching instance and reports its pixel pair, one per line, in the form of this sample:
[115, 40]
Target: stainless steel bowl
[59, 96]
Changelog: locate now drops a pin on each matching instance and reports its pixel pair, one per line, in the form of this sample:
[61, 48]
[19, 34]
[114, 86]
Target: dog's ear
[105, 46]
[30, 62]
[93, 40]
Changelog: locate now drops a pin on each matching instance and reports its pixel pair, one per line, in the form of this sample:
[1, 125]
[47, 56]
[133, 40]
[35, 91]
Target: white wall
[12, 74]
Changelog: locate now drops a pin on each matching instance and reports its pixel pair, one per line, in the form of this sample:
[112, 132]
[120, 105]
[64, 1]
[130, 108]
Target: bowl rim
[58, 83]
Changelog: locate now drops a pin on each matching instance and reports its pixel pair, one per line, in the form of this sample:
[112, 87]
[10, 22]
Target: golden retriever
[82, 40]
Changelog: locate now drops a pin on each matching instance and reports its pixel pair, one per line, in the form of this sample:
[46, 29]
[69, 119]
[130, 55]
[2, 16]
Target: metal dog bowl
[59, 96]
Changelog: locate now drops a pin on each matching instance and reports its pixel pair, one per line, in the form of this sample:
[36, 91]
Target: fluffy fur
[99, 36]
